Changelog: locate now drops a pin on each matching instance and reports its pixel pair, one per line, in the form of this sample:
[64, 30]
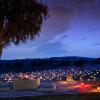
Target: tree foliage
[20, 20]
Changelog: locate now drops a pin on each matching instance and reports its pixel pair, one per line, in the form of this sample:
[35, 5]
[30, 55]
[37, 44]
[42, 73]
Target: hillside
[47, 63]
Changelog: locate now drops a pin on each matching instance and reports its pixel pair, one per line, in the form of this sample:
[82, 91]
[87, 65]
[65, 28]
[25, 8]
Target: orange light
[98, 89]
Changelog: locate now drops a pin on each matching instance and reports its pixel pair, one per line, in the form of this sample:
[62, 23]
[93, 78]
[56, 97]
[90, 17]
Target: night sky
[73, 29]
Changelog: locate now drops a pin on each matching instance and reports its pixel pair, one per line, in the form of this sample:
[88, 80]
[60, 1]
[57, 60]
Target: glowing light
[82, 84]
[69, 78]
[98, 89]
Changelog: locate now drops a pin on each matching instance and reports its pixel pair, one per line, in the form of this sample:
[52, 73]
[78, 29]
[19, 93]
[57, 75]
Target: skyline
[73, 29]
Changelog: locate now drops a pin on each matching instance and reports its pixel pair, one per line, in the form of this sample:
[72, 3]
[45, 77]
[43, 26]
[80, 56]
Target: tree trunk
[0, 51]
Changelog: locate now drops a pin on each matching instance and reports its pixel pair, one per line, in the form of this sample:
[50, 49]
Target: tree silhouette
[96, 61]
[20, 20]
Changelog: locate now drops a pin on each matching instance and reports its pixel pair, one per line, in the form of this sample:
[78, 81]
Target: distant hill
[48, 63]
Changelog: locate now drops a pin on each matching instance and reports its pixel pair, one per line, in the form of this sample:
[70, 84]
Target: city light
[98, 89]
[55, 75]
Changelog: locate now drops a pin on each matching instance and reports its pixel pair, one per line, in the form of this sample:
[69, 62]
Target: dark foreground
[85, 96]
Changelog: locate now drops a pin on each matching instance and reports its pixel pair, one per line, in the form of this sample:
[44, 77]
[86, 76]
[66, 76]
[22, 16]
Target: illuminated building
[69, 78]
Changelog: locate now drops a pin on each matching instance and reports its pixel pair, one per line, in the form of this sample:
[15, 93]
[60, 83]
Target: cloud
[61, 42]
[20, 52]
[62, 13]
[80, 3]
[58, 38]
[96, 44]
[21, 49]
[52, 3]
[58, 22]
[83, 38]
[97, 28]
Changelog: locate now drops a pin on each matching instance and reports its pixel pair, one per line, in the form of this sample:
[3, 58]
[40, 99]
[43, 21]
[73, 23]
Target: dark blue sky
[73, 29]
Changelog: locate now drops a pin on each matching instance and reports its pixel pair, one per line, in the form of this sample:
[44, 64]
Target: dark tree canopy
[20, 20]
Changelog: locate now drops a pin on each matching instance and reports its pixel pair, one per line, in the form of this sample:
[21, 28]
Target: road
[61, 87]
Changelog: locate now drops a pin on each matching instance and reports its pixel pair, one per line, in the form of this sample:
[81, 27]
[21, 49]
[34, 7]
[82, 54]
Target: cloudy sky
[73, 29]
